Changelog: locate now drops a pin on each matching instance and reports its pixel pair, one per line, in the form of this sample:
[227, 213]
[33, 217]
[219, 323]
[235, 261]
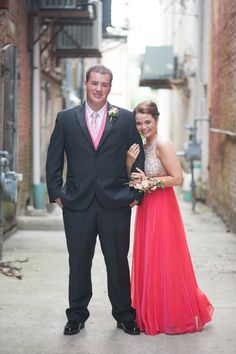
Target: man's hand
[133, 204]
[58, 201]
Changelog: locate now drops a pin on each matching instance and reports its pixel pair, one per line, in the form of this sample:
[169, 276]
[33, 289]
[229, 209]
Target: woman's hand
[139, 175]
[132, 153]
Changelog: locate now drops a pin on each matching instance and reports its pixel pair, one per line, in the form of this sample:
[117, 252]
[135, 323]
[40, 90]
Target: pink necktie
[94, 125]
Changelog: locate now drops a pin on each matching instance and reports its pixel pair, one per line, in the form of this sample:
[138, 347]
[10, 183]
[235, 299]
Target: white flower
[138, 186]
[113, 113]
[145, 184]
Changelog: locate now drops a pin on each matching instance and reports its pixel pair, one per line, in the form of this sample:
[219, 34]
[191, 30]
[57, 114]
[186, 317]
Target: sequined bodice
[153, 165]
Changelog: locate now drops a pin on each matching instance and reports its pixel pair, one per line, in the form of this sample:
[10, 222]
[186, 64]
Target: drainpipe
[3, 163]
[38, 188]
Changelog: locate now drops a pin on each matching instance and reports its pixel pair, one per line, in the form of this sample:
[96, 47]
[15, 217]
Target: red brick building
[15, 98]
[222, 158]
[16, 114]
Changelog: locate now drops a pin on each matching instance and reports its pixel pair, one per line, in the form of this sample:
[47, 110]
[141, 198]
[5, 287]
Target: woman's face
[146, 125]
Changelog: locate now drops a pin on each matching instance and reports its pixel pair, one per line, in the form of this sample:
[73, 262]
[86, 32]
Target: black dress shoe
[129, 327]
[73, 327]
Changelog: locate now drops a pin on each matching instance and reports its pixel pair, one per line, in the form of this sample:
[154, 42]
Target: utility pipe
[38, 187]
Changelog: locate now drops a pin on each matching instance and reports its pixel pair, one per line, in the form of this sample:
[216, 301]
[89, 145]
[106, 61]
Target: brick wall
[3, 29]
[222, 158]
[14, 30]
[24, 107]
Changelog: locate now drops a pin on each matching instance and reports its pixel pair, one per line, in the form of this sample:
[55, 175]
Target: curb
[44, 223]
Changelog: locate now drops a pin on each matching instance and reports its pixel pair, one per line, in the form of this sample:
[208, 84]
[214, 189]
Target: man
[95, 198]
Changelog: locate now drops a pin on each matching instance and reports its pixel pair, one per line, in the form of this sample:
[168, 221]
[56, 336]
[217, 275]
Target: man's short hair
[99, 69]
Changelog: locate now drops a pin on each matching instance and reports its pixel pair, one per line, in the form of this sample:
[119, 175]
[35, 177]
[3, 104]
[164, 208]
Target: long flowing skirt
[164, 290]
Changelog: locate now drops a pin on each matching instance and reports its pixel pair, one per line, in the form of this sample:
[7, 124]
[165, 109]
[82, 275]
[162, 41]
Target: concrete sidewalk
[32, 309]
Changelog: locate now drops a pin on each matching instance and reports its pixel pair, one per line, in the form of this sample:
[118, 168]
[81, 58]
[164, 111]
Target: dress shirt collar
[90, 111]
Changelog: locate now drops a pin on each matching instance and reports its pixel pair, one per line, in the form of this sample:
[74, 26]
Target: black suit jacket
[89, 171]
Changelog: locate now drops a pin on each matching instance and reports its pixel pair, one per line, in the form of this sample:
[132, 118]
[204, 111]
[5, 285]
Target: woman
[164, 290]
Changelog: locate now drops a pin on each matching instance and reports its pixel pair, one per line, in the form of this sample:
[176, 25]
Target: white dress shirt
[100, 114]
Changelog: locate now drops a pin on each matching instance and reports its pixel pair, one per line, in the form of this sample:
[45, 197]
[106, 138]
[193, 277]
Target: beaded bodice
[153, 165]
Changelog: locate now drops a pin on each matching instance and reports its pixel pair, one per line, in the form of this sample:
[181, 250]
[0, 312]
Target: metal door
[9, 103]
[9, 83]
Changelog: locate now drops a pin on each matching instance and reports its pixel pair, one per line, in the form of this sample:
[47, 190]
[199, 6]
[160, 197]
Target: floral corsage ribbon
[113, 113]
[146, 185]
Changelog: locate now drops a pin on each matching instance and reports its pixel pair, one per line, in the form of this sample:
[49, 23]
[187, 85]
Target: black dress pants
[113, 228]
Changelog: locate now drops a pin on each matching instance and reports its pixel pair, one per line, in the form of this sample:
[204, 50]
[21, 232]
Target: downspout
[38, 187]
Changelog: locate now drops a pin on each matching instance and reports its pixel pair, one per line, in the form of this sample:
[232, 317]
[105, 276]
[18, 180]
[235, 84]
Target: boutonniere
[113, 113]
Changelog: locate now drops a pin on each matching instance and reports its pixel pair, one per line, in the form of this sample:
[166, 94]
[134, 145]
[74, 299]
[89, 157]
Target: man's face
[98, 88]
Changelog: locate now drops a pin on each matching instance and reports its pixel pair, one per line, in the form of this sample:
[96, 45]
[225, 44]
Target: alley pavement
[32, 308]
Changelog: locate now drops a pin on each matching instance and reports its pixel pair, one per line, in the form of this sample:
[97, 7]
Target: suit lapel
[80, 113]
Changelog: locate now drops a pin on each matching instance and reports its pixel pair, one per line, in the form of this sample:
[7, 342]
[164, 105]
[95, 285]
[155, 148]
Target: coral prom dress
[164, 290]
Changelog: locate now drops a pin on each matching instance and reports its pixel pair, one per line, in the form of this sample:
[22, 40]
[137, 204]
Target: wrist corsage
[146, 184]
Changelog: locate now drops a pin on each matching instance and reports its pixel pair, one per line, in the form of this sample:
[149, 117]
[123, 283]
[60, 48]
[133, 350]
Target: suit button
[95, 176]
